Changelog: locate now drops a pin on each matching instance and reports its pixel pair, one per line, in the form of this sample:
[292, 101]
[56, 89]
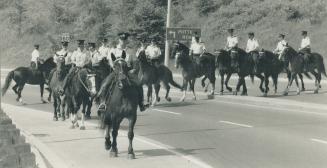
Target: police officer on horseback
[94, 54]
[305, 49]
[197, 49]
[119, 52]
[280, 46]
[153, 52]
[35, 60]
[252, 44]
[121, 49]
[232, 40]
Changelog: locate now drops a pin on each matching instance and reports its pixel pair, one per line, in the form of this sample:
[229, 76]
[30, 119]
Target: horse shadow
[177, 104]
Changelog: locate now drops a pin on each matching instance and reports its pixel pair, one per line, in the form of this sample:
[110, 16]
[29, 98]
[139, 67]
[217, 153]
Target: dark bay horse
[294, 63]
[121, 103]
[242, 64]
[268, 64]
[26, 75]
[55, 85]
[191, 70]
[150, 76]
[79, 89]
[223, 64]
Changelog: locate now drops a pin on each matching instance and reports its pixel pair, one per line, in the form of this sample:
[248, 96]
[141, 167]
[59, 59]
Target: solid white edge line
[148, 141]
[319, 140]
[165, 111]
[238, 124]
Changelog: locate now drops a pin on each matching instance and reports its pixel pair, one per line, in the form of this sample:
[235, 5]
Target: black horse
[191, 70]
[23, 75]
[242, 64]
[55, 85]
[294, 63]
[78, 91]
[223, 64]
[150, 76]
[121, 103]
[268, 64]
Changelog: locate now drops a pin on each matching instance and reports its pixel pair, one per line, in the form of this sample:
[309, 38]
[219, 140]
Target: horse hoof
[44, 102]
[303, 89]
[194, 98]
[49, 99]
[315, 92]
[235, 93]
[63, 118]
[158, 99]
[82, 127]
[168, 99]
[205, 90]
[230, 89]
[211, 96]
[285, 93]
[244, 94]
[265, 95]
[113, 154]
[221, 93]
[107, 145]
[131, 156]
[55, 118]
[87, 117]
[262, 90]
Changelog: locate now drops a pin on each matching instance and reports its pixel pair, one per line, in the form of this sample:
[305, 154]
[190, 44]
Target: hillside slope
[46, 19]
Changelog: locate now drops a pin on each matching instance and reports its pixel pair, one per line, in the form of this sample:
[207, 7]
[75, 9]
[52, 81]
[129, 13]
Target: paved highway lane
[233, 132]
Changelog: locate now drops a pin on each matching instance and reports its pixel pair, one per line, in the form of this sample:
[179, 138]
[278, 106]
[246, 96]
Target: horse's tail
[322, 68]
[9, 78]
[172, 82]
[307, 75]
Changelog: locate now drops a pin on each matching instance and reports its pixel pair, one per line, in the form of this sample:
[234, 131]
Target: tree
[205, 7]
[17, 15]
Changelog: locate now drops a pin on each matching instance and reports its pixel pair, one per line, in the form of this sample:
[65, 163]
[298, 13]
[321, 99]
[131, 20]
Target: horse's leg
[185, 82]
[275, 81]
[245, 90]
[50, 93]
[41, 91]
[292, 76]
[297, 85]
[132, 122]
[84, 103]
[226, 82]
[317, 83]
[203, 84]
[19, 98]
[149, 94]
[157, 89]
[89, 106]
[55, 104]
[167, 87]
[62, 107]
[14, 88]
[262, 79]
[107, 142]
[213, 83]
[266, 79]
[238, 85]
[222, 75]
[74, 109]
[302, 83]
[192, 88]
[115, 127]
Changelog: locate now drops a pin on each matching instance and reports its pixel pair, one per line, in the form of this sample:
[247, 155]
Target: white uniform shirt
[95, 57]
[232, 41]
[305, 43]
[197, 48]
[80, 58]
[35, 55]
[252, 45]
[152, 52]
[103, 51]
[280, 46]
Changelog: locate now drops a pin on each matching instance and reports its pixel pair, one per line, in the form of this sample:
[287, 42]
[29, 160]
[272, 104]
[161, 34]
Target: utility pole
[167, 25]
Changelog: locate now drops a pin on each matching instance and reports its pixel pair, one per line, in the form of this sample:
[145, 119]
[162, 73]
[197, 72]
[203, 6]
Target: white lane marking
[148, 141]
[233, 123]
[165, 111]
[319, 140]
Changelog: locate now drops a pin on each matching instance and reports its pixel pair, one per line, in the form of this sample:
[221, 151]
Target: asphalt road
[234, 132]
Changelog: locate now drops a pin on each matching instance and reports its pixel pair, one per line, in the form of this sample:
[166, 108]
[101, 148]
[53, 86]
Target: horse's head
[222, 56]
[60, 65]
[142, 57]
[90, 84]
[121, 70]
[181, 53]
[287, 54]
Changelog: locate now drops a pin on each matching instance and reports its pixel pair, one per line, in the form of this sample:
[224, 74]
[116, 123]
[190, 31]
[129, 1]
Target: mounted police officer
[35, 59]
[280, 45]
[120, 52]
[153, 52]
[94, 54]
[252, 44]
[79, 60]
[232, 40]
[104, 49]
[305, 49]
[197, 49]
